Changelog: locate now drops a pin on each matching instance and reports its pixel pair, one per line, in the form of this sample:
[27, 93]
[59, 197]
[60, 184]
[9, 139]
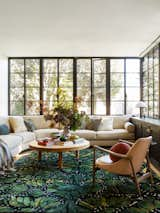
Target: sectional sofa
[19, 141]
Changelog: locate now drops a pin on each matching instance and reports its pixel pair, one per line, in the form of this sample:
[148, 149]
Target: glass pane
[145, 93]
[17, 80]
[17, 94]
[85, 107]
[50, 66]
[17, 108]
[132, 109]
[99, 94]
[84, 93]
[66, 80]
[32, 94]
[100, 108]
[133, 79]
[145, 79]
[117, 65]
[83, 65]
[32, 65]
[132, 65]
[99, 66]
[156, 109]
[156, 55]
[133, 94]
[117, 108]
[99, 84]
[150, 93]
[150, 60]
[32, 108]
[100, 80]
[49, 94]
[117, 93]
[69, 93]
[150, 109]
[66, 65]
[66, 76]
[17, 65]
[50, 80]
[32, 80]
[84, 84]
[84, 80]
[117, 79]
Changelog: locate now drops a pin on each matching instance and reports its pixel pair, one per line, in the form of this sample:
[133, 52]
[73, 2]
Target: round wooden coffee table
[67, 147]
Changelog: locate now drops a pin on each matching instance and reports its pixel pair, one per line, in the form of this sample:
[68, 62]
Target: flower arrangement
[64, 113]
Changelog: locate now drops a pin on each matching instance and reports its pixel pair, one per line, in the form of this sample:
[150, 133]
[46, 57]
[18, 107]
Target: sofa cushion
[30, 125]
[41, 133]
[38, 121]
[119, 121]
[5, 120]
[106, 124]
[11, 140]
[4, 130]
[87, 134]
[17, 124]
[93, 123]
[115, 134]
[121, 148]
[26, 136]
[129, 127]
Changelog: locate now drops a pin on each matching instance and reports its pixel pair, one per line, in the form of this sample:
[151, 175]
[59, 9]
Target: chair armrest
[124, 141]
[129, 127]
[110, 152]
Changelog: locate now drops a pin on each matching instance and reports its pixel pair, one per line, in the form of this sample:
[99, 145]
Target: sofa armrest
[129, 127]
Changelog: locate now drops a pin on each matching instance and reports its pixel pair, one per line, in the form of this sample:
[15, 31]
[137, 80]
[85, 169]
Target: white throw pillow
[17, 124]
[106, 124]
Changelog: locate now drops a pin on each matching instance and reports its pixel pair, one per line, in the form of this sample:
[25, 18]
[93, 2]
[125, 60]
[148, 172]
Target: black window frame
[108, 85]
[146, 68]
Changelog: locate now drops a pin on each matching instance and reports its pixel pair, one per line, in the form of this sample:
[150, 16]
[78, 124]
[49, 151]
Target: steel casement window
[34, 80]
[151, 82]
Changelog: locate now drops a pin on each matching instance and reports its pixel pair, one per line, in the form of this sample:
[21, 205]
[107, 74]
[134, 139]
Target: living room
[79, 106]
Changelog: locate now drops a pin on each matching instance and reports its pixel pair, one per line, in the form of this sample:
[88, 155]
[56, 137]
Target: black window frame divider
[108, 83]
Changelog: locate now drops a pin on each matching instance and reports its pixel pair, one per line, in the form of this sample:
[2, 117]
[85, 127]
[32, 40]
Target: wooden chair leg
[149, 169]
[135, 179]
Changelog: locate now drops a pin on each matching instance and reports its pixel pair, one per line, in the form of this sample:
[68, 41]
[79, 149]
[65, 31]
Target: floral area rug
[42, 187]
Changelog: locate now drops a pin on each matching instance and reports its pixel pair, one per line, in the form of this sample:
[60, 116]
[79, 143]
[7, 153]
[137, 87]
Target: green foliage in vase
[64, 112]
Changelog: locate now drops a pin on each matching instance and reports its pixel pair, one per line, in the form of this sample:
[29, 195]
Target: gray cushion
[30, 125]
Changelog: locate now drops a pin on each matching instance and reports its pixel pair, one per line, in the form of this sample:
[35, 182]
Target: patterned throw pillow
[4, 130]
[93, 124]
[30, 125]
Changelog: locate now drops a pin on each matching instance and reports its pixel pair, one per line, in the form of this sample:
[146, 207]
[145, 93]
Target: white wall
[3, 86]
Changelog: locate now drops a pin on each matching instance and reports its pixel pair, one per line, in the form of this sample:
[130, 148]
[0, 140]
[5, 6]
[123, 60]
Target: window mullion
[24, 86]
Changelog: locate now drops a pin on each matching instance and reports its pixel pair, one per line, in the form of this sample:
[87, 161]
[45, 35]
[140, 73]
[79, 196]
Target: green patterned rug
[44, 188]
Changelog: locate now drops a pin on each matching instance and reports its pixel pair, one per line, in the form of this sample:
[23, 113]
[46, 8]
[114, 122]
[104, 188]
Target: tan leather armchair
[129, 164]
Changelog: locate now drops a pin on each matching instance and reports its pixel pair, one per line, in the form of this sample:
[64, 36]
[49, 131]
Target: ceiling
[77, 27]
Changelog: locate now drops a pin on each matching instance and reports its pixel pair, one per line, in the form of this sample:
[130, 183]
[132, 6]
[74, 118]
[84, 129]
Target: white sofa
[17, 142]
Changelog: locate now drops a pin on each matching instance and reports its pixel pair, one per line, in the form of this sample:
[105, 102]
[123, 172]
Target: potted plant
[64, 113]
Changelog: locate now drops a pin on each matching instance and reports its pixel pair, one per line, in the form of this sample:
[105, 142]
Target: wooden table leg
[39, 155]
[77, 154]
[60, 161]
